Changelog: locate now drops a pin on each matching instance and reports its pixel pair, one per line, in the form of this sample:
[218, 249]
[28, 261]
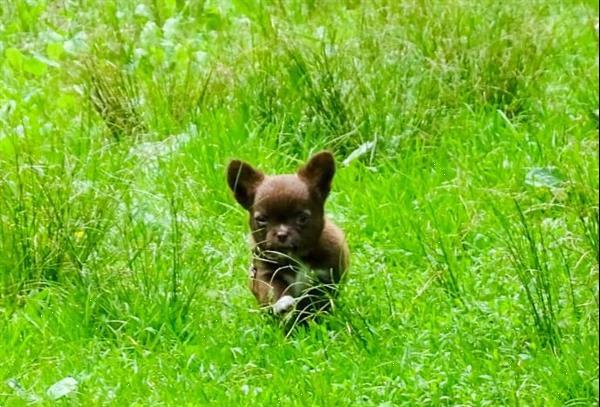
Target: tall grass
[528, 252]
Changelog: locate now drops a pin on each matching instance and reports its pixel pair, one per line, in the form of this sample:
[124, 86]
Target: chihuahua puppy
[299, 256]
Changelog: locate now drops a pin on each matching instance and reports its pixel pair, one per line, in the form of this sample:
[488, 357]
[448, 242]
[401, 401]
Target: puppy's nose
[282, 236]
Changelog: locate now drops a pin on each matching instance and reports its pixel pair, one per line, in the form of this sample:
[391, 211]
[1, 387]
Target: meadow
[466, 138]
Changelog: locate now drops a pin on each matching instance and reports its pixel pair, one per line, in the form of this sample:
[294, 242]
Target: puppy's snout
[282, 236]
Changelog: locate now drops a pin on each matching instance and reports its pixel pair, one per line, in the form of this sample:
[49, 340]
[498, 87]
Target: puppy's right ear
[319, 171]
[243, 181]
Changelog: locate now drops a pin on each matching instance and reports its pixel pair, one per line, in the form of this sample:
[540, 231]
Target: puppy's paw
[283, 304]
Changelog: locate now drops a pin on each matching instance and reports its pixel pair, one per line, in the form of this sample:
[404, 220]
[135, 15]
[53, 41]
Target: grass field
[466, 135]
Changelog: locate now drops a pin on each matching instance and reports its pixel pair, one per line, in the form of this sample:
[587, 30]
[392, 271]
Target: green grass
[472, 212]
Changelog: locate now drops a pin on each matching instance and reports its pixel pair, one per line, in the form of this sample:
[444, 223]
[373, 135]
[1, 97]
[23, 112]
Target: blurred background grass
[468, 133]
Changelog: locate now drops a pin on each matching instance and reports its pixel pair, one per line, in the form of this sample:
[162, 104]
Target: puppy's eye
[260, 220]
[302, 218]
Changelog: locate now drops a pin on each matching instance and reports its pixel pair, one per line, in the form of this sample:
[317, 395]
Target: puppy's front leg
[284, 304]
[270, 289]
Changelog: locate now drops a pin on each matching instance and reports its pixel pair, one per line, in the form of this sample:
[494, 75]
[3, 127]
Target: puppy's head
[286, 211]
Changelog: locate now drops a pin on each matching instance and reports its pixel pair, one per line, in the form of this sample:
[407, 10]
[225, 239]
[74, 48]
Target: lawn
[466, 140]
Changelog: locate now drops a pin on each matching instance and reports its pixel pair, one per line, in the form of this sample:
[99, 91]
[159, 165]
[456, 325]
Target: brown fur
[290, 232]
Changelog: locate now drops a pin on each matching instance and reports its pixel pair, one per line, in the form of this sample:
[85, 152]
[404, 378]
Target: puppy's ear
[318, 172]
[243, 181]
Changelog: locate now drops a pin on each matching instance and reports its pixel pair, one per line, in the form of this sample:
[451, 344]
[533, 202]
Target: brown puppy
[299, 256]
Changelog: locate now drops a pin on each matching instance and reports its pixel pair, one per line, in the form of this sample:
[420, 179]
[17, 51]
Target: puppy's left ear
[319, 171]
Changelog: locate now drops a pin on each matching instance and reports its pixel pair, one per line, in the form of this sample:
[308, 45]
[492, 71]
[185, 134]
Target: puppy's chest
[292, 276]
[297, 277]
